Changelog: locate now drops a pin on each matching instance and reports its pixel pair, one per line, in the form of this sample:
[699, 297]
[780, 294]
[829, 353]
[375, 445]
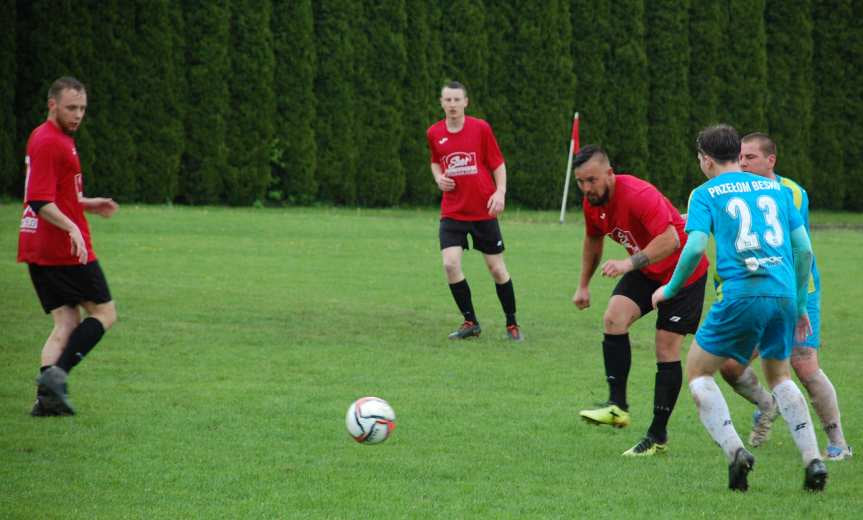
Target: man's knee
[616, 322]
[732, 371]
[804, 361]
[106, 313]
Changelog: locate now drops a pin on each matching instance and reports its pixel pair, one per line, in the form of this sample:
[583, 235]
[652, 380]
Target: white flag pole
[572, 150]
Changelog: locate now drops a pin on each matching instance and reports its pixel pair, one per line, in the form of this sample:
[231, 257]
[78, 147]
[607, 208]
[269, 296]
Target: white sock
[826, 405]
[795, 411]
[714, 415]
[747, 386]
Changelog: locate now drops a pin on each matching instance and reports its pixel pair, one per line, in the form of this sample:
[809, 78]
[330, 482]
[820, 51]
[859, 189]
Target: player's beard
[598, 201]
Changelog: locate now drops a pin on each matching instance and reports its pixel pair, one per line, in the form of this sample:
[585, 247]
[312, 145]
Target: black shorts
[484, 233]
[680, 314]
[59, 285]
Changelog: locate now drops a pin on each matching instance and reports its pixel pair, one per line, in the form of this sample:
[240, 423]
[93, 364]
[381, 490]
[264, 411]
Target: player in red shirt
[469, 169]
[54, 241]
[635, 214]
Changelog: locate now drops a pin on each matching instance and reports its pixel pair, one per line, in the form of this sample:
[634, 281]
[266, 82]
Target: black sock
[506, 295]
[461, 294]
[669, 378]
[42, 369]
[617, 354]
[83, 339]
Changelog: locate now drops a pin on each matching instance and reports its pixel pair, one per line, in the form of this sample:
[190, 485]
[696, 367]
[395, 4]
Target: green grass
[244, 334]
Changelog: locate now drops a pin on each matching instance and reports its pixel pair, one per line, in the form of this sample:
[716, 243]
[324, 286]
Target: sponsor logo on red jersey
[460, 163]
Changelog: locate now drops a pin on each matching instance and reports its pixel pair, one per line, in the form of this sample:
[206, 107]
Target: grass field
[244, 334]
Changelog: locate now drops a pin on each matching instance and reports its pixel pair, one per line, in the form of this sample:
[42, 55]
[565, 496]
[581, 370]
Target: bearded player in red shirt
[54, 241]
[635, 214]
[469, 169]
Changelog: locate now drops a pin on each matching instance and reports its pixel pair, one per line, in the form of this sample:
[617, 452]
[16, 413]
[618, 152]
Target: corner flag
[574, 146]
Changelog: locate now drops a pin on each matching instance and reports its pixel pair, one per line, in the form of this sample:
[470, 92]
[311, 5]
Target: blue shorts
[734, 327]
[813, 308]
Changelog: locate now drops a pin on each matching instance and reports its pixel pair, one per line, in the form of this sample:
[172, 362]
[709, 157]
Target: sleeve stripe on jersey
[796, 191]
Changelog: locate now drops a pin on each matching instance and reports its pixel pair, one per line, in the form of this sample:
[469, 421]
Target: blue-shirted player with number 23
[763, 257]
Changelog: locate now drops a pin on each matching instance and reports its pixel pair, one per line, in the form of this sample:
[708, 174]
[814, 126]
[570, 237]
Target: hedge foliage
[327, 101]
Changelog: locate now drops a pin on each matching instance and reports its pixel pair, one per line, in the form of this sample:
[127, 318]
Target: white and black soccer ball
[370, 420]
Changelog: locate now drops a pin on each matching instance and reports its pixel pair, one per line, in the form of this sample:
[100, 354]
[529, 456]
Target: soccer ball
[370, 420]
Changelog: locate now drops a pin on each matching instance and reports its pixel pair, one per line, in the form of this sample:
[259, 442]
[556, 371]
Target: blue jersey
[801, 202]
[751, 219]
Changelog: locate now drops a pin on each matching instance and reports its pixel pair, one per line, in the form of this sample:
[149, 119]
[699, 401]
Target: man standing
[758, 155]
[763, 257]
[469, 169]
[635, 214]
[54, 241]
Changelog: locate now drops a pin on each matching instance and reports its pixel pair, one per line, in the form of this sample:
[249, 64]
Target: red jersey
[53, 175]
[634, 215]
[469, 157]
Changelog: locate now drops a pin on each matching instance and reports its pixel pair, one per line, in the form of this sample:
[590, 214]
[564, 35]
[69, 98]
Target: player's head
[758, 154]
[67, 102]
[593, 174]
[718, 149]
[453, 99]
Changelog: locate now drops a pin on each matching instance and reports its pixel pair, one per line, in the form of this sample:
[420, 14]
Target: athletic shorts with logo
[485, 235]
[734, 327]
[680, 314]
[59, 285]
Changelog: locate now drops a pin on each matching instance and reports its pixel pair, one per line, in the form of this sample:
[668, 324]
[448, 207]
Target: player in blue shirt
[758, 155]
[763, 257]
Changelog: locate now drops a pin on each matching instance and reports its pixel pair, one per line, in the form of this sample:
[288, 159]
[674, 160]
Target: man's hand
[495, 204]
[581, 298]
[445, 183]
[614, 268]
[803, 329]
[79, 248]
[658, 296]
[101, 206]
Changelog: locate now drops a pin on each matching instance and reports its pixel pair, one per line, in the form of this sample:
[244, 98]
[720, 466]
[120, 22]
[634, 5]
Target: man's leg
[669, 378]
[505, 292]
[617, 356]
[714, 414]
[460, 292]
[823, 396]
[743, 380]
[48, 402]
[87, 334]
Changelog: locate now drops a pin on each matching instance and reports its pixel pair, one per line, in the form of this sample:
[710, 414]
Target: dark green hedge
[300, 102]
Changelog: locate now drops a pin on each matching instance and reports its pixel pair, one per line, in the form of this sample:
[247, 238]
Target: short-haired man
[54, 242]
[635, 214]
[758, 156]
[763, 257]
[469, 169]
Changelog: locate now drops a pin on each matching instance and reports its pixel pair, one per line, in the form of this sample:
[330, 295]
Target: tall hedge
[744, 67]
[336, 124]
[422, 84]
[380, 176]
[829, 126]
[541, 103]
[249, 135]
[159, 94]
[592, 29]
[628, 88]
[208, 105]
[853, 116]
[789, 107]
[668, 113]
[11, 161]
[112, 69]
[707, 50]
[294, 153]
[498, 99]
[466, 49]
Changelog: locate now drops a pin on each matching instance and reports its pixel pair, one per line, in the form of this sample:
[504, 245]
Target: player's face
[752, 159]
[68, 109]
[453, 101]
[593, 179]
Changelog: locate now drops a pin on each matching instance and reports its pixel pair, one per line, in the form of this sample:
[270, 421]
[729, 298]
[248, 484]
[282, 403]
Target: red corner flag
[574, 147]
